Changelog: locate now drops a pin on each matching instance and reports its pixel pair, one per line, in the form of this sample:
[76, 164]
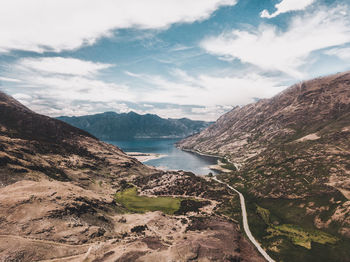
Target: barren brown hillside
[58, 187]
[292, 159]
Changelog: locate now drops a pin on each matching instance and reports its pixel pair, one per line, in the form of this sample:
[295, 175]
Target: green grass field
[264, 214]
[287, 231]
[301, 237]
[130, 199]
[298, 235]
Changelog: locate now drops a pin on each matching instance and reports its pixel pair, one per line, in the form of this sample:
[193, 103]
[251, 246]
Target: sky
[175, 58]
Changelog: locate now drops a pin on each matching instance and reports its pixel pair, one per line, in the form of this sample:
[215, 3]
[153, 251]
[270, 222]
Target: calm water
[176, 159]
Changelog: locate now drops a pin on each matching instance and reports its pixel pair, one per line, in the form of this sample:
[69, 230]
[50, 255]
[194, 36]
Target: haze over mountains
[112, 126]
[293, 153]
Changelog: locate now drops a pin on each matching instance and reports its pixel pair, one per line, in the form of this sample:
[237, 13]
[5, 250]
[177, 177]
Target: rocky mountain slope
[112, 126]
[293, 149]
[66, 196]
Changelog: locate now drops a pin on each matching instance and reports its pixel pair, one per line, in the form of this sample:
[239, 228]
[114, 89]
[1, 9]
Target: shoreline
[200, 153]
[144, 157]
[219, 165]
[219, 168]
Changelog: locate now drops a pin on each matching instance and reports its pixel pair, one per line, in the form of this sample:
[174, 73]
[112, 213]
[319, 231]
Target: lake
[175, 158]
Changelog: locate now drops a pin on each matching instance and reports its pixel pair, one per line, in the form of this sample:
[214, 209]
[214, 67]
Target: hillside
[111, 126]
[66, 196]
[293, 155]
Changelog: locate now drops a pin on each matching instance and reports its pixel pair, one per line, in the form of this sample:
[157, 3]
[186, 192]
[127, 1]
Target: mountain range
[66, 196]
[292, 160]
[110, 126]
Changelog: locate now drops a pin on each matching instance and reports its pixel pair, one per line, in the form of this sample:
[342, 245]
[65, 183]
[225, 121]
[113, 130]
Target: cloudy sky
[175, 58]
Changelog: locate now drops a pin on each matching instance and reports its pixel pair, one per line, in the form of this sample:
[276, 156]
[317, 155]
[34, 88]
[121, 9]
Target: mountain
[112, 126]
[292, 156]
[66, 196]
[33, 143]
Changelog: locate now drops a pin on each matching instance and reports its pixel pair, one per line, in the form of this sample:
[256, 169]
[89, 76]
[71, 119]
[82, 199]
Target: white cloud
[192, 112]
[342, 53]
[118, 107]
[183, 75]
[286, 6]
[78, 88]
[45, 86]
[66, 86]
[132, 74]
[206, 90]
[22, 97]
[210, 112]
[41, 25]
[61, 65]
[57, 107]
[179, 47]
[210, 96]
[148, 105]
[66, 79]
[168, 112]
[271, 49]
[7, 79]
[72, 95]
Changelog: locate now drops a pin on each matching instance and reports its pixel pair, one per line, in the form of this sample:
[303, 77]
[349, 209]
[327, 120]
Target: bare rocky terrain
[57, 201]
[292, 149]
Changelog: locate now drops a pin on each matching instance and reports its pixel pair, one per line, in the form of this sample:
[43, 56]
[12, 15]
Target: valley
[283, 195]
[292, 157]
[175, 131]
[67, 196]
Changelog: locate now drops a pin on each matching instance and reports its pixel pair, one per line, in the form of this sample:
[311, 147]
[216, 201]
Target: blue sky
[174, 58]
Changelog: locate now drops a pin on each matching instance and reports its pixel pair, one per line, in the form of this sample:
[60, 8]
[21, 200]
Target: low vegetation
[228, 165]
[287, 230]
[286, 227]
[301, 237]
[263, 213]
[130, 199]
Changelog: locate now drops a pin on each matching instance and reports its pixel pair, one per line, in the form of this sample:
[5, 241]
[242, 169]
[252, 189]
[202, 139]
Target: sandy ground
[313, 136]
[219, 167]
[143, 157]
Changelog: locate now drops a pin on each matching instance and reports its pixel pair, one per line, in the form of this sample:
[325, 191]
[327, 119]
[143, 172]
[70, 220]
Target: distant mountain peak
[133, 113]
[114, 126]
